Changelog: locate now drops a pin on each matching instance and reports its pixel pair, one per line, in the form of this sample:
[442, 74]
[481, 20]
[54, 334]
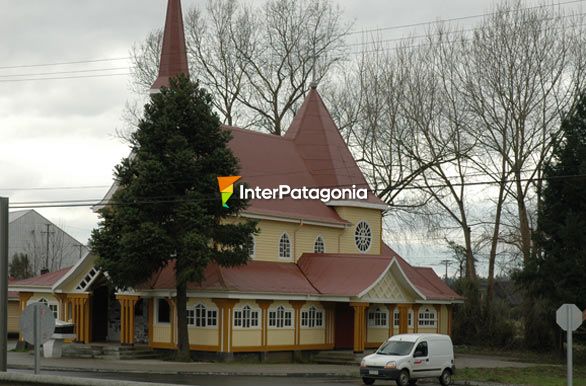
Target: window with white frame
[362, 236]
[319, 246]
[285, 247]
[397, 321]
[54, 307]
[280, 317]
[190, 316]
[246, 317]
[427, 317]
[377, 317]
[203, 316]
[312, 318]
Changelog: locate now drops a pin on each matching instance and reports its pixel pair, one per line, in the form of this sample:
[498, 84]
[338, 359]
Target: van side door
[421, 361]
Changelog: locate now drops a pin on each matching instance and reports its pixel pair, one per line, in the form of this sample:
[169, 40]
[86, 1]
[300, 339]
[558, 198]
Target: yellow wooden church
[320, 276]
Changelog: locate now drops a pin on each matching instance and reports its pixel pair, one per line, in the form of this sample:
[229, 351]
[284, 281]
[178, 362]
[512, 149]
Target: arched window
[54, 307]
[285, 247]
[246, 317]
[427, 317]
[280, 317]
[312, 318]
[362, 236]
[202, 316]
[377, 317]
[319, 246]
[253, 249]
[397, 320]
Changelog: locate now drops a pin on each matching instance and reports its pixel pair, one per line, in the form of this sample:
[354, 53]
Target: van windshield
[395, 347]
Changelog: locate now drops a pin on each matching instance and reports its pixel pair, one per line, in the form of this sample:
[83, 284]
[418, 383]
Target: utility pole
[48, 234]
[3, 282]
[80, 245]
[446, 262]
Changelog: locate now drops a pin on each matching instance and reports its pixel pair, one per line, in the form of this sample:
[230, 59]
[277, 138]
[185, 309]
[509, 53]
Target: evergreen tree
[167, 208]
[20, 267]
[557, 274]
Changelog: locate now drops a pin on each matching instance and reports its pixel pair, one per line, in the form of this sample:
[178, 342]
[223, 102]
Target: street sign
[37, 325]
[569, 317]
[46, 323]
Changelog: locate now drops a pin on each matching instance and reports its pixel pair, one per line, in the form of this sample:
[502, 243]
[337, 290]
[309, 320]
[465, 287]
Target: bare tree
[258, 61]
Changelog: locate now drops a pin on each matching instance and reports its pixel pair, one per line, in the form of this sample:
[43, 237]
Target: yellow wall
[246, 337]
[377, 334]
[13, 316]
[355, 215]
[281, 337]
[162, 333]
[203, 336]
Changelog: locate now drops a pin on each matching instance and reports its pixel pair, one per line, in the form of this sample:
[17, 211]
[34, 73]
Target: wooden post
[264, 306]
[225, 307]
[403, 318]
[391, 320]
[415, 318]
[438, 313]
[297, 304]
[127, 303]
[359, 326]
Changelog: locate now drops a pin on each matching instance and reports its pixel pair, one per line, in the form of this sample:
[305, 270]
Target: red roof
[322, 148]
[173, 53]
[314, 274]
[342, 274]
[46, 280]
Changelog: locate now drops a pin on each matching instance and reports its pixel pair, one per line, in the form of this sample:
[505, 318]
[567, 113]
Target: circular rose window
[363, 236]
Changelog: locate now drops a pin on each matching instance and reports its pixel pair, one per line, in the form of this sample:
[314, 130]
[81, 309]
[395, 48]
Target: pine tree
[167, 208]
[20, 267]
[557, 274]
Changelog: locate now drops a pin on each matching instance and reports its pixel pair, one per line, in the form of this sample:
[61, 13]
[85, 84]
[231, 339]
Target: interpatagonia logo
[226, 185]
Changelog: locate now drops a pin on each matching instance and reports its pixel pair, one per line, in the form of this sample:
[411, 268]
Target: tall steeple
[173, 53]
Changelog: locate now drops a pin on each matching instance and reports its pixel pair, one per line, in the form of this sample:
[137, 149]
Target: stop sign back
[569, 317]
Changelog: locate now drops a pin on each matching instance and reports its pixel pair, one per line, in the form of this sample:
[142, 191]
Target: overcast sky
[61, 132]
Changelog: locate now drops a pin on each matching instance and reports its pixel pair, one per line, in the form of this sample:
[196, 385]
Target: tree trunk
[470, 268]
[524, 230]
[183, 354]
[494, 243]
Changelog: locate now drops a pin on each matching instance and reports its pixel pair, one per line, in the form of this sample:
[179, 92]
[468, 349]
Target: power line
[402, 26]
[64, 72]
[62, 78]
[65, 63]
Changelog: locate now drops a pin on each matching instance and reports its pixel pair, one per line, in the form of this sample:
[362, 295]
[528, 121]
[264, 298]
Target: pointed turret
[173, 53]
[321, 145]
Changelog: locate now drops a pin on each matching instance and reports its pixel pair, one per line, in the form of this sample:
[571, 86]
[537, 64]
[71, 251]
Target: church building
[320, 275]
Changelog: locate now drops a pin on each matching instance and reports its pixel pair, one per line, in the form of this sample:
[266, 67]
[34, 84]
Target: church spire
[173, 53]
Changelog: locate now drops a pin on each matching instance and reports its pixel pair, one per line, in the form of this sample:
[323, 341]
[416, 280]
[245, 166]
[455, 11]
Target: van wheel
[368, 381]
[446, 378]
[403, 379]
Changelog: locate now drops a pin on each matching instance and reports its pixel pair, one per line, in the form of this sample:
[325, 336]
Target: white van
[408, 357]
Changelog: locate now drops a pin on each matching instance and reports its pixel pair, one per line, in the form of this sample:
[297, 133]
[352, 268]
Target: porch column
[415, 318]
[391, 319]
[127, 303]
[359, 325]
[80, 315]
[23, 298]
[225, 307]
[297, 304]
[438, 313]
[403, 318]
[62, 305]
[330, 323]
[264, 307]
[450, 317]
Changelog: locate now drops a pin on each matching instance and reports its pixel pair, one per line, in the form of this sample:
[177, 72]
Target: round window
[363, 236]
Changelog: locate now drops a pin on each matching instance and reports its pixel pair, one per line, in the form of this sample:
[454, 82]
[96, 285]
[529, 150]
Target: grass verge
[534, 376]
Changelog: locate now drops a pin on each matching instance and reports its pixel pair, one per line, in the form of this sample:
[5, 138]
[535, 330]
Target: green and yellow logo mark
[226, 185]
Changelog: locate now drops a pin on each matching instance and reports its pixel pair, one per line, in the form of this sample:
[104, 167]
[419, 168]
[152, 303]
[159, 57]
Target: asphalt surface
[211, 380]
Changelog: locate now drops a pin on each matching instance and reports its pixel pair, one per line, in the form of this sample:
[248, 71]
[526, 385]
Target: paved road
[219, 380]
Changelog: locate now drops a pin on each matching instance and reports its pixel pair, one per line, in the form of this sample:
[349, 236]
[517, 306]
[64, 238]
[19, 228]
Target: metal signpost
[3, 282]
[569, 318]
[37, 325]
